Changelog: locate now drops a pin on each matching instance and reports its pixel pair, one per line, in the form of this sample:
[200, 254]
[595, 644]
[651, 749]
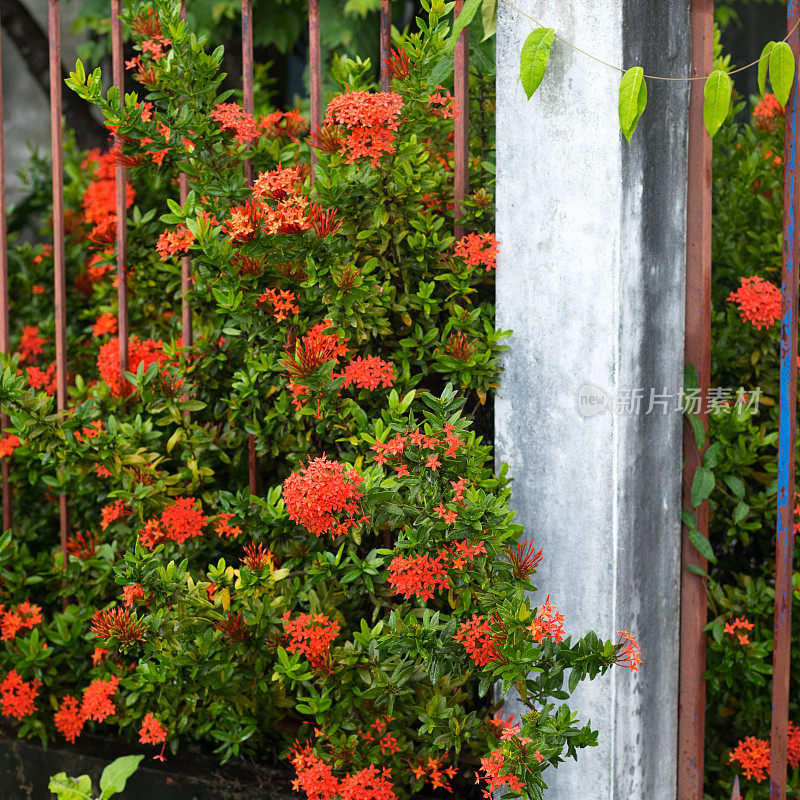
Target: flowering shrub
[742, 457]
[352, 614]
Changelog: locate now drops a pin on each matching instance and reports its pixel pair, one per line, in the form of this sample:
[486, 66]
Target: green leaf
[71, 788]
[534, 57]
[702, 485]
[464, 18]
[702, 545]
[694, 569]
[736, 485]
[698, 430]
[763, 64]
[632, 100]
[740, 512]
[781, 71]
[116, 775]
[489, 18]
[717, 103]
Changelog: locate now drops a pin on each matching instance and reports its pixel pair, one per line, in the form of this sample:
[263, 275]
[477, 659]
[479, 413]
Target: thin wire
[649, 77]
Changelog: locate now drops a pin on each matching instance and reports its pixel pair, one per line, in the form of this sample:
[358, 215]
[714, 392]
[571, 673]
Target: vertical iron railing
[461, 133]
[385, 46]
[315, 66]
[5, 346]
[786, 441]
[120, 177]
[187, 331]
[59, 264]
[697, 356]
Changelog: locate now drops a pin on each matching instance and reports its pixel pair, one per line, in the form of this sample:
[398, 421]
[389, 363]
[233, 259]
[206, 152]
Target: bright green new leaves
[468, 11]
[632, 100]
[781, 71]
[116, 775]
[489, 18]
[717, 100]
[763, 65]
[534, 57]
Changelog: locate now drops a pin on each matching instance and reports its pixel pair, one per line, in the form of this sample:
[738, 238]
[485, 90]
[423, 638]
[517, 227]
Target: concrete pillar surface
[590, 279]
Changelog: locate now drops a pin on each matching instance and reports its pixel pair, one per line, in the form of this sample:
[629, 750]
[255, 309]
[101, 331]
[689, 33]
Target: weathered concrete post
[590, 279]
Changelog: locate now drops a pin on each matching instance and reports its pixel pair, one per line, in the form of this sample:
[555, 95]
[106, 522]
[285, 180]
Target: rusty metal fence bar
[461, 133]
[786, 442]
[5, 326]
[59, 264]
[118, 68]
[697, 356]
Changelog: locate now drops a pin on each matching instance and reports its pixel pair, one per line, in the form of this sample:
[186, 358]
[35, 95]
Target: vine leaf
[702, 485]
[763, 64]
[534, 57]
[632, 100]
[702, 546]
[781, 71]
[717, 94]
[468, 11]
[489, 18]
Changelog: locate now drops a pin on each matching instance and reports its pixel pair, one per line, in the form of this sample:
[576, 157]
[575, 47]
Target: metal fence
[697, 342]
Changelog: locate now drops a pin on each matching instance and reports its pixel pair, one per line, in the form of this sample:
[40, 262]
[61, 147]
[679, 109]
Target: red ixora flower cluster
[233, 119]
[759, 301]
[178, 522]
[396, 447]
[477, 249]
[317, 780]
[491, 766]
[323, 497]
[753, 755]
[100, 197]
[139, 352]
[368, 120]
[152, 731]
[767, 112]
[13, 620]
[311, 635]
[18, 696]
[547, 623]
[630, 656]
[422, 575]
[30, 344]
[97, 705]
[8, 444]
[368, 373]
[479, 640]
[736, 624]
[172, 243]
[283, 303]
[118, 622]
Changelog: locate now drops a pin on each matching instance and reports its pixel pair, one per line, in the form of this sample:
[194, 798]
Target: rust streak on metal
[247, 73]
[315, 59]
[697, 352]
[5, 313]
[386, 44]
[461, 133]
[118, 68]
[59, 270]
[786, 440]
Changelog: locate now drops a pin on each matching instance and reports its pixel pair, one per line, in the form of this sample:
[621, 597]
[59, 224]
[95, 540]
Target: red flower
[460, 347]
[97, 704]
[31, 344]
[524, 559]
[256, 557]
[42, 379]
[368, 373]
[232, 118]
[8, 444]
[368, 119]
[18, 696]
[118, 622]
[323, 497]
[170, 243]
[547, 623]
[278, 183]
[739, 622]
[491, 766]
[152, 731]
[111, 512]
[132, 594]
[223, 528]
[442, 104]
[419, 575]
[759, 301]
[105, 323]
[478, 639]
[311, 635]
[81, 545]
[178, 522]
[753, 757]
[477, 249]
[398, 64]
[631, 654]
[144, 352]
[25, 615]
[68, 719]
[283, 303]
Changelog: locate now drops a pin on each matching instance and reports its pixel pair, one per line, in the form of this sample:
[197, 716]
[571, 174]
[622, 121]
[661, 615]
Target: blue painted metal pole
[786, 439]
